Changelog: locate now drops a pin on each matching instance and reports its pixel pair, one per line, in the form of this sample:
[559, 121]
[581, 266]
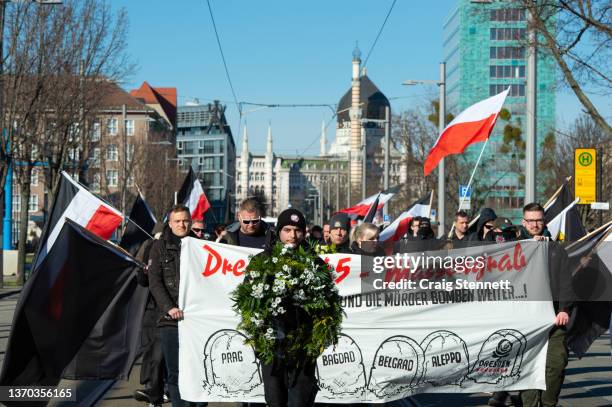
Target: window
[112, 178]
[34, 178]
[507, 34]
[507, 53]
[208, 163]
[95, 184]
[129, 127]
[33, 204]
[74, 154]
[112, 152]
[16, 203]
[515, 90]
[95, 159]
[130, 152]
[130, 181]
[509, 14]
[95, 132]
[112, 127]
[507, 71]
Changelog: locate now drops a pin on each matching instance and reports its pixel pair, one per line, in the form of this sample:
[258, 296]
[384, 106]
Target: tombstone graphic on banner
[397, 367]
[350, 379]
[447, 360]
[500, 358]
[226, 348]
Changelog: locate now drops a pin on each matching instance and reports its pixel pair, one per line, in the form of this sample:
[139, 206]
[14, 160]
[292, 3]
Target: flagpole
[470, 181]
[585, 237]
[556, 193]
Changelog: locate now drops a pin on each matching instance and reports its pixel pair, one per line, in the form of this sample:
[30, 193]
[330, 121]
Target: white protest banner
[394, 343]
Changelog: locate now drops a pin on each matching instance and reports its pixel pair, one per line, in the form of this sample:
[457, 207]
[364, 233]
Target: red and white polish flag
[193, 197]
[399, 227]
[473, 125]
[81, 206]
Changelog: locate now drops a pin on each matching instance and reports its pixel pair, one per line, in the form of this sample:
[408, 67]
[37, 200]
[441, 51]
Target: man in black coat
[164, 280]
[534, 227]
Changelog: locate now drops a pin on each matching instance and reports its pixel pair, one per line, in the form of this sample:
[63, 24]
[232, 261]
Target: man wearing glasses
[253, 229]
[534, 228]
[197, 228]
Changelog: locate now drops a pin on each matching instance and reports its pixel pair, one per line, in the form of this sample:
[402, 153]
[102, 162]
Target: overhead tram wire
[229, 79]
[379, 33]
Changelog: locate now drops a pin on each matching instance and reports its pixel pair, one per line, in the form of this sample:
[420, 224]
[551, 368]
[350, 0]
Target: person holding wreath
[291, 311]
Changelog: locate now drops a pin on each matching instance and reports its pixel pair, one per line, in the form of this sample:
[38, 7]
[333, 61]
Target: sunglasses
[250, 221]
[197, 230]
[489, 226]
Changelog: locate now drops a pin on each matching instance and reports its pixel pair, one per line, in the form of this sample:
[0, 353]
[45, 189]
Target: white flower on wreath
[286, 268]
[274, 260]
[254, 273]
[281, 310]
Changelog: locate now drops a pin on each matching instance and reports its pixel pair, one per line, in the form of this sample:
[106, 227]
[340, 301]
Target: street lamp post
[441, 124]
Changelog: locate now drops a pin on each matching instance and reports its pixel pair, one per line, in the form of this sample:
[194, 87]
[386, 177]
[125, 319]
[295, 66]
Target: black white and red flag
[75, 316]
[79, 205]
[140, 226]
[399, 227]
[369, 217]
[192, 196]
[361, 209]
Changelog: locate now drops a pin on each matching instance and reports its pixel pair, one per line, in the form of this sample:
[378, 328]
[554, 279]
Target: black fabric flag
[77, 311]
[372, 211]
[589, 319]
[574, 229]
[139, 227]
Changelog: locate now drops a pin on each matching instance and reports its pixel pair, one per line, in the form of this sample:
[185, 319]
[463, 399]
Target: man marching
[290, 310]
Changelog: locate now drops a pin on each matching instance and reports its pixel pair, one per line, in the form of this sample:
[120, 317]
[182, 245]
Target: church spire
[245, 142]
[269, 141]
[323, 151]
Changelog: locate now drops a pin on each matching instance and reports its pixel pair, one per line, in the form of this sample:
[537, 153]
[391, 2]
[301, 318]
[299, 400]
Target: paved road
[588, 382]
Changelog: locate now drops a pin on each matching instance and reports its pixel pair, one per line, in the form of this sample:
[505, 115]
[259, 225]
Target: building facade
[320, 185]
[205, 142]
[114, 157]
[485, 53]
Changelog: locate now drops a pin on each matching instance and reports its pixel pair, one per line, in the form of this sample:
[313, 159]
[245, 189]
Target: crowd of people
[296, 386]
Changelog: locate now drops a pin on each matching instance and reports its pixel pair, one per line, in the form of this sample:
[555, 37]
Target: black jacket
[559, 273]
[486, 215]
[164, 274]
[232, 237]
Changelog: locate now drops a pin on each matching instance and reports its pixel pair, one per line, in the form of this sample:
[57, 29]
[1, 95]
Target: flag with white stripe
[79, 205]
[192, 196]
[399, 227]
[361, 209]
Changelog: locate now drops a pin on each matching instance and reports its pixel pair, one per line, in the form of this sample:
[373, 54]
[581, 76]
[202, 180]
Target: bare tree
[577, 34]
[57, 58]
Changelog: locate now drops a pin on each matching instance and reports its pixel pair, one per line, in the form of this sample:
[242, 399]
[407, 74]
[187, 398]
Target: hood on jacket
[486, 215]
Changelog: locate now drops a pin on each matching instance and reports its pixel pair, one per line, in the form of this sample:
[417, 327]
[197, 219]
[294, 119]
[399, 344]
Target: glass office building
[484, 53]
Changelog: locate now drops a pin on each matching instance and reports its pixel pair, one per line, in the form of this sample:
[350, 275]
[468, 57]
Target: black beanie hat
[291, 217]
[340, 220]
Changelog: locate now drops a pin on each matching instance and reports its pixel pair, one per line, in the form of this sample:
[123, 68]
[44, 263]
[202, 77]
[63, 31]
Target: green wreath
[288, 279]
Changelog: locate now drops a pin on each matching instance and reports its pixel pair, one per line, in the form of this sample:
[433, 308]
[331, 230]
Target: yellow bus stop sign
[585, 175]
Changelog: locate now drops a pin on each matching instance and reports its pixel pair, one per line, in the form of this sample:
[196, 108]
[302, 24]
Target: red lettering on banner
[343, 269]
[214, 262]
[519, 257]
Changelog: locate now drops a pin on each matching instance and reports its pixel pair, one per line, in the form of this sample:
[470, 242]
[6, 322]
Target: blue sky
[289, 52]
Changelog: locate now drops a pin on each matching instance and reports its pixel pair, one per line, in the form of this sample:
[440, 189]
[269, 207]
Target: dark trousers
[153, 369]
[556, 361]
[286, 387]
[170, 348]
